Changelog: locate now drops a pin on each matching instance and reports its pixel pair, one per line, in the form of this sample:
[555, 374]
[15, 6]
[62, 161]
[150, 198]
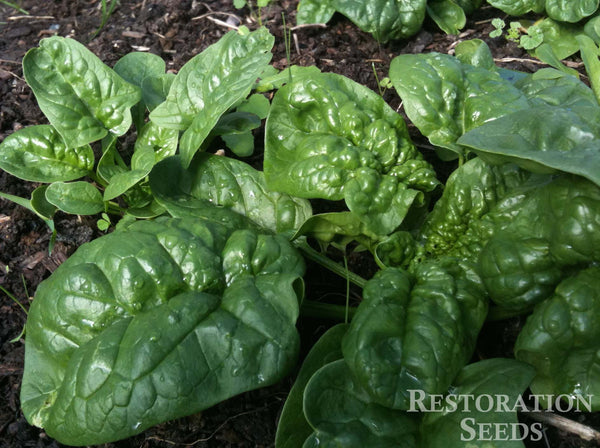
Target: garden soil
[177, 31]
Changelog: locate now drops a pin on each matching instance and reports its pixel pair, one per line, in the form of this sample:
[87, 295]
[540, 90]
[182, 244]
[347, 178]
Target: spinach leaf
[229, 183]
[82, 98]
[39, 154]
[415, 333]
[454, 426]
[344, 414]
[447, 14]
[293, 429]
[329, 137]
[561, 339]
[211, 83]
[157, 320]
[445, 98]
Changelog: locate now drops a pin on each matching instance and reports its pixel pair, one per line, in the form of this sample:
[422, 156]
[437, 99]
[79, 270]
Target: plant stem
[14, 6]
[310, 308]
[327, 263]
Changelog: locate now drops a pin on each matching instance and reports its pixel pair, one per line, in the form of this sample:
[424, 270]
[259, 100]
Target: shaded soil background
[177, 31]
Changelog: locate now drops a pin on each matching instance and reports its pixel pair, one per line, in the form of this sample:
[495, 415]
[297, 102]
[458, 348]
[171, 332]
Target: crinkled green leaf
[77, 198]
[445, 98]
[561, 340]
[455, 426]
[447, 14]
[210, 84]
[39, 154]
[135, 66]
[416, 333]
[82, 97]
[329, 137]
[158, 320]
[459, 224]
[293, 429]
[384, 19]
[560, 36]
[343, 414]
[554, 227]
[228, 183]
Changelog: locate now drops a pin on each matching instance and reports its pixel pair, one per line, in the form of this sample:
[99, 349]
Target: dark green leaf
[447, 14]
[293, 429]
[155, 321]
[228, 183]
[329, 137]
[343, 414]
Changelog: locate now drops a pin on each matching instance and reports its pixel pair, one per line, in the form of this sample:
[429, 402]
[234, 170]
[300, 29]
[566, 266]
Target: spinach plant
[87, 103]
[169, 315]
[389, 19]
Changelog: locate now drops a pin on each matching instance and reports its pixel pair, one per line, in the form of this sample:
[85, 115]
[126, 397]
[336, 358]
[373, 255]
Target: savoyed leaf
[77, 198]
[39, 154]
[415, 333]
[293, 429]
[82, 97]
[329, 137]
[210, 84]
[384, 19]
[445, 98]
[560, 339]
[155, 321]
[228, 183]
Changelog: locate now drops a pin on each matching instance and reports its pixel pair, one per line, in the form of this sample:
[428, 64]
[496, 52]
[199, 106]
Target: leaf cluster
[194, 297]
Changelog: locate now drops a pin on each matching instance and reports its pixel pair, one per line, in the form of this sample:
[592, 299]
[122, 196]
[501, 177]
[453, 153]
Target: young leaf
[81, 97]
[329, 137]
[155, 89]
[449, 16]
[228, 183]
[293, 429]
[158, 320]
[210, 84]
[77, 198]
[39, 154]
[40, 204]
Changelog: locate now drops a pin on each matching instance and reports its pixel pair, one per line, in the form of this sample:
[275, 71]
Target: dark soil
[178, 30]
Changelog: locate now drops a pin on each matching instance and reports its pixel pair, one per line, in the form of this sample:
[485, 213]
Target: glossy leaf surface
[81, 97]
[155, 321]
